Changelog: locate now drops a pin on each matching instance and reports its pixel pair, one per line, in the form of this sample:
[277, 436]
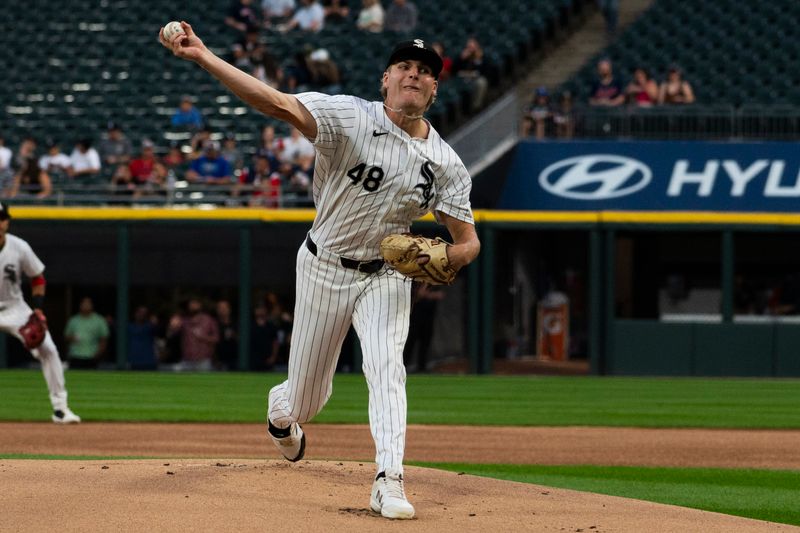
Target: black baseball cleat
[290, 441]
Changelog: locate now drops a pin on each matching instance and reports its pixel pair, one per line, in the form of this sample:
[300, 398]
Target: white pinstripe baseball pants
[329, 298]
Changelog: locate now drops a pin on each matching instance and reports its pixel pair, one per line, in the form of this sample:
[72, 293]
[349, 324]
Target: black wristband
[37, 301]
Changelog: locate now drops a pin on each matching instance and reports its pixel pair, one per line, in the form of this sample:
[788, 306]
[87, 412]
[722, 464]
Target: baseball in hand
[171, 29]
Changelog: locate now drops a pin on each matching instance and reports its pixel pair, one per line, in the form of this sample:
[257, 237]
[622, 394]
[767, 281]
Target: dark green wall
[644, 347]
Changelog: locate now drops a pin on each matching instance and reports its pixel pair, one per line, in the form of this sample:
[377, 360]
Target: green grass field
[468, 400]
[480, 400]
[762, 494]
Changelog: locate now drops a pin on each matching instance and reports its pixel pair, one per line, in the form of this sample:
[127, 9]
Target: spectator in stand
[471, 66]
[31, 180]
[147, 172]
[6, 174]
[5, 156]
[336, 11]
[85, 160]
[264, 343]
[199, 335]
[270, 147]
[447, 62]
[295, 147]
[211, 168]
[142, 340]
[55, 163]
[538, 115]
[299, 182]
[675, 90]
[324, 72]
[115, 148]
[785, 297]
[245, 47]
[606, 89]
[122, 183]
[251, 55]
[298, 73]
[642, 91]
[228, 347]
[371, 16]
[263, 182]
[401, 16]
[276, 11]
[241, 15]
[174, 157]
[265, 67]
[199, 142]
[310, 17]
[231, 153]
[27, 149]
[86, 335]
[563, 117]
[187, 116]
[282, 320]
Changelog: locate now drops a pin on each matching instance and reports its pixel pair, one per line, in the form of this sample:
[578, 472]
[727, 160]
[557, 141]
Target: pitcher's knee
[305, 404]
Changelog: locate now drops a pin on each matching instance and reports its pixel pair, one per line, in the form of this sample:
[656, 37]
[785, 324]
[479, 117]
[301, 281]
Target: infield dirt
[256, 492]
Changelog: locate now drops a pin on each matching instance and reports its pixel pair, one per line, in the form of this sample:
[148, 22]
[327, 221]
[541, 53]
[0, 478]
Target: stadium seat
[726, 49]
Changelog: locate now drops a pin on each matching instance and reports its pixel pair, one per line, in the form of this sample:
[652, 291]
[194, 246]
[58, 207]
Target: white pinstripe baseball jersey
[16, 258]
[372, 179]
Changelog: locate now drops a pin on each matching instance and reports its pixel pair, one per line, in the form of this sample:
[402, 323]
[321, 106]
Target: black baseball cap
[419, 50]
[4, 214]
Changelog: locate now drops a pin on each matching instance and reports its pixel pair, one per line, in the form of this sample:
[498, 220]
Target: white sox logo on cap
[418, 50]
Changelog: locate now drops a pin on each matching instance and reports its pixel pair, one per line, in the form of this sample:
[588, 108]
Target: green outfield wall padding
[651, 348]
[733, 349]
[787, 350]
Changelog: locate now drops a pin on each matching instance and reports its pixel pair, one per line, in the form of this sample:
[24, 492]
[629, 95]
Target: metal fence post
[609, 301]
[123, 296]
[727, 264]
[595, 300]
[487, 310]
[245, 291]
[473, 316]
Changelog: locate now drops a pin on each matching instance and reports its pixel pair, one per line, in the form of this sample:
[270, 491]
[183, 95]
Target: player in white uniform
[17, 258]
[379, 166]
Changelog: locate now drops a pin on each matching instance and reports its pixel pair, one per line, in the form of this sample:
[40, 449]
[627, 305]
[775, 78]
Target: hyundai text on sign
[648, 176]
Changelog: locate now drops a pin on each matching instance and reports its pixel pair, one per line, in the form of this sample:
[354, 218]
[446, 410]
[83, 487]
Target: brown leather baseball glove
[400, 251]
[34, 330]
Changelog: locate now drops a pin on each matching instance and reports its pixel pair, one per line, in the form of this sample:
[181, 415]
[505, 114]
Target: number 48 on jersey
[373, 179]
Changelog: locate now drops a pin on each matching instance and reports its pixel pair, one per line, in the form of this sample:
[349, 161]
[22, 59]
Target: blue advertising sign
[654, 176]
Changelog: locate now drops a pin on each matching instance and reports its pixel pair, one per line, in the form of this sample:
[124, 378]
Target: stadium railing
[694, 122]
[181, 193]
[491, 131]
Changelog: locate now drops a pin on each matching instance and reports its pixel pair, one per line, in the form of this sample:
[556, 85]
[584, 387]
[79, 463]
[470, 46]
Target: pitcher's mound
[251, 495]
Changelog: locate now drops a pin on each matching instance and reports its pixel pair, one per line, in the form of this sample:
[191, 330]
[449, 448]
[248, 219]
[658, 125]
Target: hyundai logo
[595, 177]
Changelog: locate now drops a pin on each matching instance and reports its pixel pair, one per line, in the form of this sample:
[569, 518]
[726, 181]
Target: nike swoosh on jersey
[377, 133]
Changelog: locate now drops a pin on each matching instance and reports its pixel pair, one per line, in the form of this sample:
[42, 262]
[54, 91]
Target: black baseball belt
[367, 267]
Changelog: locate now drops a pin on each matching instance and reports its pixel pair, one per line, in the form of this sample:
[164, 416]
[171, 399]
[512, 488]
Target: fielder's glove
[401, 252]
[34, 330]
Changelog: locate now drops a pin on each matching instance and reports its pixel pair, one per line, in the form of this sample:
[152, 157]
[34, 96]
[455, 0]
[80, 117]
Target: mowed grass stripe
[463, 400]
[762, 494]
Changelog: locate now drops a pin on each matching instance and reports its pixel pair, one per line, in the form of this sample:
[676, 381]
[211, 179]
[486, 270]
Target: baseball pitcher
[379, 166]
